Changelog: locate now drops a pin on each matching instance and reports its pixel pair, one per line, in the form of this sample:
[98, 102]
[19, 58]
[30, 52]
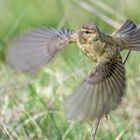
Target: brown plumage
[101, 91]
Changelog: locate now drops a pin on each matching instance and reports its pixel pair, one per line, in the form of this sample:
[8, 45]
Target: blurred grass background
[31, 106]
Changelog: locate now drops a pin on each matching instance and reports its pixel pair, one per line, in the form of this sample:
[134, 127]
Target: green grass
[31, 106]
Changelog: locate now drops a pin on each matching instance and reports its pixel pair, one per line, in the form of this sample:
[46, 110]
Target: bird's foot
[106, 116]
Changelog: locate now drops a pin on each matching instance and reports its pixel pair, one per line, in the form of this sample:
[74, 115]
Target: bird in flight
[101, 91]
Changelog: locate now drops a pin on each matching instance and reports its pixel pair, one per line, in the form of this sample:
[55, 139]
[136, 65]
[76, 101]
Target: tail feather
[128, 36]
[127, 27]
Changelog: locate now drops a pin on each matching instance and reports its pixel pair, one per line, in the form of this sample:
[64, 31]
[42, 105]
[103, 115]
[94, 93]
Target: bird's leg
[95, 128]
[126, 56]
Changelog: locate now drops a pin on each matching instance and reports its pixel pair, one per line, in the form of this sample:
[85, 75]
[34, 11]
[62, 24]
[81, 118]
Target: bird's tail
[128, 36]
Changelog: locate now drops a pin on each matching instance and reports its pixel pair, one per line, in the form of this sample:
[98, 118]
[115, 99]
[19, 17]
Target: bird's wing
[128, 36]
[36, 47]
[99, 93]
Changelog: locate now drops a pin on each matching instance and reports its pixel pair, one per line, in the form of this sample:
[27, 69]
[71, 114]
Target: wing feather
[92, 98]
[36, 47]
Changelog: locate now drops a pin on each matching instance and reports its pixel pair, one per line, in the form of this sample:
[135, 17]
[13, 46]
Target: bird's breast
[92, 50]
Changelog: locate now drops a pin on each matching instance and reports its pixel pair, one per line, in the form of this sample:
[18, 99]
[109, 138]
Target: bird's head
[89, 32]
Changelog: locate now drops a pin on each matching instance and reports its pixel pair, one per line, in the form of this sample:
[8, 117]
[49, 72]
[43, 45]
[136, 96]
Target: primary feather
[36, 47]
[98, 94]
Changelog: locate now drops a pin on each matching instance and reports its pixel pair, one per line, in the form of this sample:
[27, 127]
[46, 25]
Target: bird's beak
[74, 35]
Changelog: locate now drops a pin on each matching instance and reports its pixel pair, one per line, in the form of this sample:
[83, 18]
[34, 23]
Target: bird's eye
[88, 32]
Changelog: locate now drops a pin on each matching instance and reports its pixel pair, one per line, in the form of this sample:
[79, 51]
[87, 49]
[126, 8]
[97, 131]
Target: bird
[99, 92]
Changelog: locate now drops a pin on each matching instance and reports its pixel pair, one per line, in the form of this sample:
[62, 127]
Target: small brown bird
[101, 91]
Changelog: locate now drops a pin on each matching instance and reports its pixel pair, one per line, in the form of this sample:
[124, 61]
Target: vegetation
[31, 106]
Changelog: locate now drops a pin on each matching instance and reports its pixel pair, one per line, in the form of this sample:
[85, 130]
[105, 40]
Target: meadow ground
[31, 106]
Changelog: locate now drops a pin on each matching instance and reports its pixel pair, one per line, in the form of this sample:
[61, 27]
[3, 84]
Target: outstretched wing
[128, 36]
[36, 47]
[99, 93]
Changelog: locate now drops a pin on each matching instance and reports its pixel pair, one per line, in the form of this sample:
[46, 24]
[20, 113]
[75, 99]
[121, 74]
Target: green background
[31, 106]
